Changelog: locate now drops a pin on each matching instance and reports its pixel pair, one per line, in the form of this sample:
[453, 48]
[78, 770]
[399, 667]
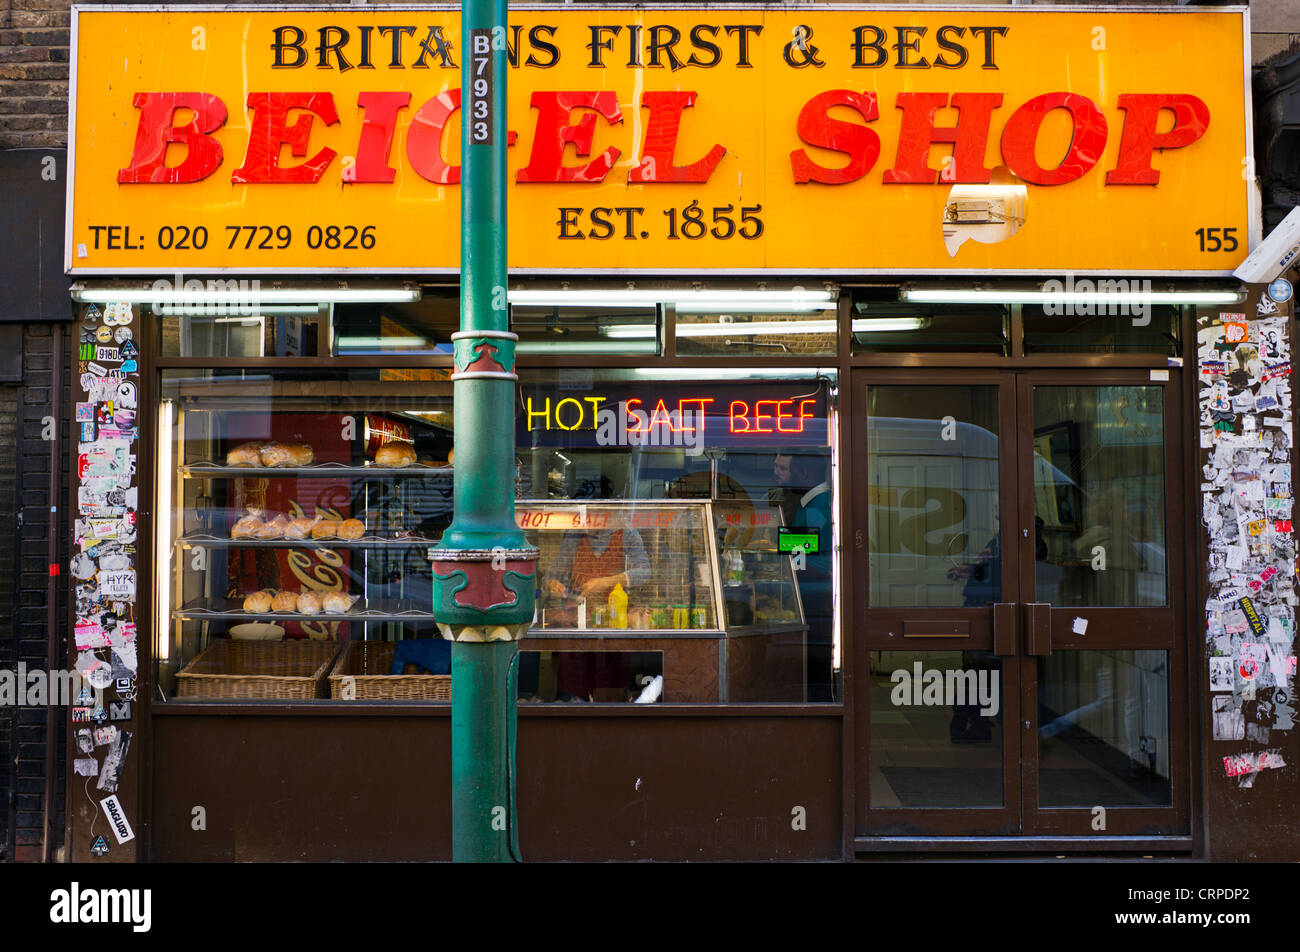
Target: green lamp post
[484, 570]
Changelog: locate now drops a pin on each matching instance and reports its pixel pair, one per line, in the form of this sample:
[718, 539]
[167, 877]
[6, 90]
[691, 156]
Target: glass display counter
[691, 593]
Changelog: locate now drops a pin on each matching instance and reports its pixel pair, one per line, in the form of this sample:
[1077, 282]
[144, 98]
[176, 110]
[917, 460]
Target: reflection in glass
[804, 333]
[936, 729]
[247, 327]
[932, 470]
[1103, 736]
[1099, 495]
[884, 324]
[586, 329]
[1095, 328]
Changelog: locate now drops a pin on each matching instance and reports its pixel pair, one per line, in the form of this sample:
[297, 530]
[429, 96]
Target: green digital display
[787, 540]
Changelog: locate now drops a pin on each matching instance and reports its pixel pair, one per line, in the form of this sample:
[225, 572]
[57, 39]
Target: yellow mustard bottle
[617, 607]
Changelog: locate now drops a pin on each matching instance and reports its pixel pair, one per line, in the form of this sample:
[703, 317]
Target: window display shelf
[389, 610]
[194, 540]
[536, 635]
[316, 470]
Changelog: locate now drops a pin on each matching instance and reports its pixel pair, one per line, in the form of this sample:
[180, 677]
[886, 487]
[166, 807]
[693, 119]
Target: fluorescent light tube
[983, 296]
[630, 331]
[881, 324]
[234, 310]
[757, 374]
[352, 343]
[752, 328]
[580, 347]
[193, 297]
[685, 301]
[162, 554]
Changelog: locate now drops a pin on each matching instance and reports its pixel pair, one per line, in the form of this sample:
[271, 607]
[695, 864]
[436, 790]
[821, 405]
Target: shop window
[881, 324]
[1102, 329]
[295, 513]
[685, 532]
[611, 327]
[249, 323]
[721, 330]
[689, 519]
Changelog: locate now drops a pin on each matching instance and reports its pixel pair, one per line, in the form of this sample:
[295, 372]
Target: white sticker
[117, 819]
[1080, 626]
[1159, 375]
[118, 584]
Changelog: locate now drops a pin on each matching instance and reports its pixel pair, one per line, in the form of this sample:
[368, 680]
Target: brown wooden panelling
[590, 788]
[679, 788]
[765, 668]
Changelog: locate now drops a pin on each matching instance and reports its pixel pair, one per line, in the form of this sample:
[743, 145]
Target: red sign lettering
[554, 132]
[156, 130]
[818, 128]
[969, 137]
[1140, 139]
[271, 131]
[661, 142]
[1020, 136]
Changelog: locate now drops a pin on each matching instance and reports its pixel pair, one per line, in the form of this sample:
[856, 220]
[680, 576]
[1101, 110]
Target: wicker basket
[367, 663]
[280, 670]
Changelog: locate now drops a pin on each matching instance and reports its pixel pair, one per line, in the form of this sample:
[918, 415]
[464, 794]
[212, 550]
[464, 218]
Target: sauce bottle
[617, 608]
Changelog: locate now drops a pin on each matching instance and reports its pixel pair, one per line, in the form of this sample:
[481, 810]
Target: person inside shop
[782, 495]
[590, 562]
[808, 495]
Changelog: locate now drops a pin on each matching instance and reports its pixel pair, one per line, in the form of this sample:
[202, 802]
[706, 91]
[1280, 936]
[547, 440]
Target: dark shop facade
[910, 472]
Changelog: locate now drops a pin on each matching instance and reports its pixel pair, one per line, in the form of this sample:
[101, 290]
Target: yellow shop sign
[811, 140]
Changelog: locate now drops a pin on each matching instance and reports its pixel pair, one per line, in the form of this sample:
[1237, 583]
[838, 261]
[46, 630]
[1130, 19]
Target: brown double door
[1019, 617]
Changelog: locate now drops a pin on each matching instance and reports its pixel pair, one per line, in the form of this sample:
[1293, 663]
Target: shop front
[865, 523]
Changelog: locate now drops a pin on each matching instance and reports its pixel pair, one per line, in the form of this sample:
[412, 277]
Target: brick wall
[34, 73]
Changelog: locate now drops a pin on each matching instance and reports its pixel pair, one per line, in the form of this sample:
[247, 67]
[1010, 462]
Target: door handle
[1038, 628]
[1004, 629]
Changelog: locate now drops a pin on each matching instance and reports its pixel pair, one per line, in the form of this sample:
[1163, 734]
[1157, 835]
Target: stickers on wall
[117, 819]
[111, 771]
[103, 563]
[1244, 368]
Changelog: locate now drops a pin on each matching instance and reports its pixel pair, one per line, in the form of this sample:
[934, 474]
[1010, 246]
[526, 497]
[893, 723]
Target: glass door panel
[1105, 745]
[1021, 643]
[1103, 735]
[1099, 492]
[940, 474]
[933, 477]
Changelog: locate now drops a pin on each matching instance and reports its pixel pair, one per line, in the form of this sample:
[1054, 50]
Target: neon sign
[678, 415]
[686, 415]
